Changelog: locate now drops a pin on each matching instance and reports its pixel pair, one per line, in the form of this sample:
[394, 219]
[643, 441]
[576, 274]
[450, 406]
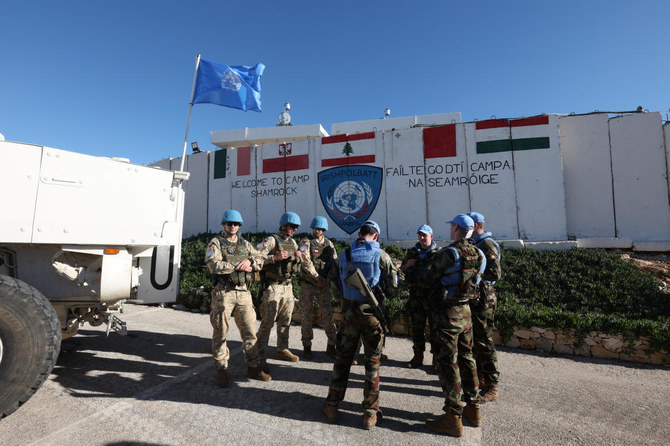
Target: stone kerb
[594, 345]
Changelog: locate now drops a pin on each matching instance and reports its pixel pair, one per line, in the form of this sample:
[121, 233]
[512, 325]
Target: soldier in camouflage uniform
[483, 311]
[282, 261]
[418, 305]
[320, 252]
[455, 272]
[233, 264]
[358, 321]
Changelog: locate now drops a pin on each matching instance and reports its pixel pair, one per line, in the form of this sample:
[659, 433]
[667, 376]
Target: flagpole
[190, 107]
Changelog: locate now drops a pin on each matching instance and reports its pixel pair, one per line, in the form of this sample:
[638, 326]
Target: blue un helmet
[232, 216]
[290, 218]
[319, 223]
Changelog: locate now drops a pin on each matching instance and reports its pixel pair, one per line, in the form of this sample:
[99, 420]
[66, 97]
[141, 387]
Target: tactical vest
[422, 257]
[459, 281]
[364, 256]
[322, 256]
[235, 253]
[489, 275]
[284, 269]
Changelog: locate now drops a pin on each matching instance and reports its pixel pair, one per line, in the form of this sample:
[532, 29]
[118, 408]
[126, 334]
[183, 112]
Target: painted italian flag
[342, 150]
[502, 135]
[243, 155]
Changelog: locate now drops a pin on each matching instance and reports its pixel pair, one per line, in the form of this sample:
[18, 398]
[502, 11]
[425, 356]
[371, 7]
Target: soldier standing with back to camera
[282, 261]
[320, 252]
[455, 271]
[233, 264]
[418, 305]
[483, 312]
[359, 320]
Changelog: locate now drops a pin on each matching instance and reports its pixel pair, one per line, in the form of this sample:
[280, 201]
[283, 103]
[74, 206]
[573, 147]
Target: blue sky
[114, 78]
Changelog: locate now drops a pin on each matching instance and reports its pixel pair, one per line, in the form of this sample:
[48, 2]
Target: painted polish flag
[342, 150]
[502, 135]
[287, 160]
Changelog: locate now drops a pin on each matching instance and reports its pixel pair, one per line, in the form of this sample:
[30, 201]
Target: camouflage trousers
[484, 349]
[419, 312]
[276, 304]
[455, 364]
[238, 304]
[357, 324]
[322, 294]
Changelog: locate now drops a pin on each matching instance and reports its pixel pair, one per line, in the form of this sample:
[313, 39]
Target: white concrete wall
[589, 201]
[639, 169]
[196, 207]
[539, 179]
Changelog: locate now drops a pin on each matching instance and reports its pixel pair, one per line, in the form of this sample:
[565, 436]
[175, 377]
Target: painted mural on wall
[511, 170]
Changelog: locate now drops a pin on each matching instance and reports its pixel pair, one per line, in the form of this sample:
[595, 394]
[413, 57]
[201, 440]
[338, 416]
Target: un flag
[231, 86]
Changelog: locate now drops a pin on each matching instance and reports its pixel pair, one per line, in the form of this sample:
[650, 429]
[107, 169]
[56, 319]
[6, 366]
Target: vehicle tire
[30, 338]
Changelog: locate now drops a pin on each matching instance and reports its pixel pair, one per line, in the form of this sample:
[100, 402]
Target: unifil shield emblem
[350, 194]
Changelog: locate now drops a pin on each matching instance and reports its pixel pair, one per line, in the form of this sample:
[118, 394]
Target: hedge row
[582, 289]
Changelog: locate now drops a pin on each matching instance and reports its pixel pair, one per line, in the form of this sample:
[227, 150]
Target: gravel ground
[156, 387]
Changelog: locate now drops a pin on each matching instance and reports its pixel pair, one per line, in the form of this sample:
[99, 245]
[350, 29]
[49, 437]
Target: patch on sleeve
[209, 253]
[259, 246]
[303, 248]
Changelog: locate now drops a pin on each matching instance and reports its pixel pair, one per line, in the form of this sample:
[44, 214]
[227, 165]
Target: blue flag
[230, 86]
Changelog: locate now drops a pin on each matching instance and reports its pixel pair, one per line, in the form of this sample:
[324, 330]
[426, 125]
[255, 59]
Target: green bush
[581, 289]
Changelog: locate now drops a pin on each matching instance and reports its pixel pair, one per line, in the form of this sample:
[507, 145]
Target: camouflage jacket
[223, 255]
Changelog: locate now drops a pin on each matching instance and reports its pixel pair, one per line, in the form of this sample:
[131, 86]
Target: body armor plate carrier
[459, 281]
[285, 269]
[235, 253]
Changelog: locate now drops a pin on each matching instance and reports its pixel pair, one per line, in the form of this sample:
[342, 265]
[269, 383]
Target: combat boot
[307, 352]
[369, 421]
[286, 355]
[473, 414]
[257, 373]
[331, 413]
[222, 377]
[416, 361]
[449, 423]
[265, 367]
[331, 352]
[489, 393]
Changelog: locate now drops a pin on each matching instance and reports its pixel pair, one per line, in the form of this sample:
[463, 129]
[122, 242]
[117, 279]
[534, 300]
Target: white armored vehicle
[79, 235]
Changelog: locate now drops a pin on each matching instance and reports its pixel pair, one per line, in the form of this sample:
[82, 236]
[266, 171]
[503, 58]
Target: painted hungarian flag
[342, 150]
[502, 135]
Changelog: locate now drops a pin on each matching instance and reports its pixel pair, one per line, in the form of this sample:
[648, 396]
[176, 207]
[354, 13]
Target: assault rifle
[356, 280]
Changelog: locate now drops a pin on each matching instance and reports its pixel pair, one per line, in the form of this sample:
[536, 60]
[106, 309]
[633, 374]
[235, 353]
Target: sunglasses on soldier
[232, 223]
